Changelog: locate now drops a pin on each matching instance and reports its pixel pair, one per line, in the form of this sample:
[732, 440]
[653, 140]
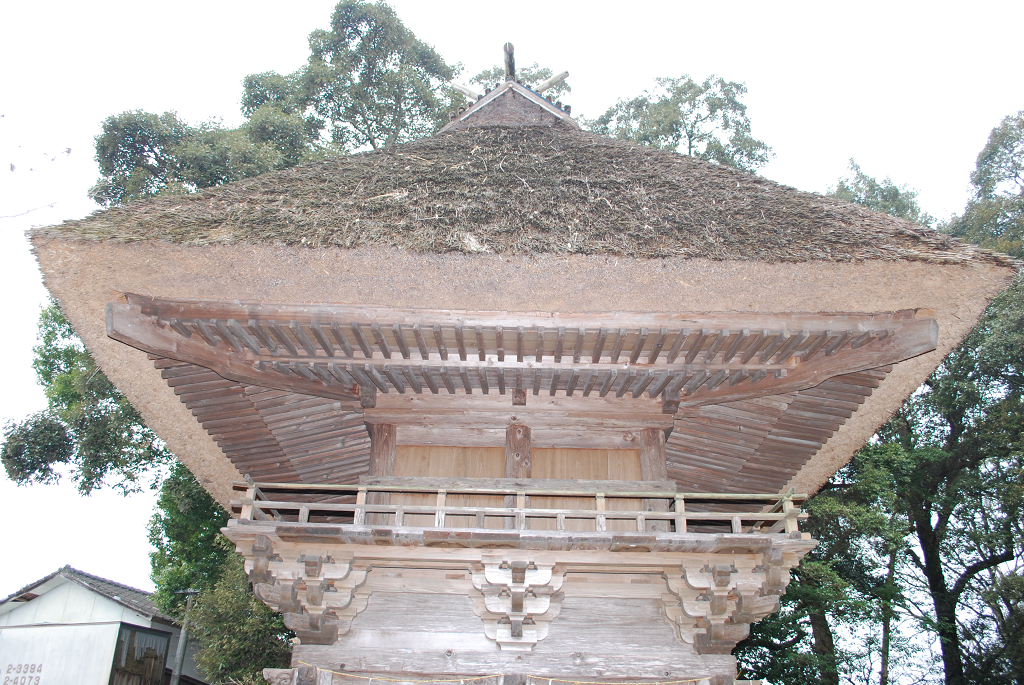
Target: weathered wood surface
[533, 486]
[191, 309]
[654, 467]
[750, 445]
[588, 438]
[597, 610]
[510, 104]
[616, 639]
[517, 452]
[709, 363]
[383, 443]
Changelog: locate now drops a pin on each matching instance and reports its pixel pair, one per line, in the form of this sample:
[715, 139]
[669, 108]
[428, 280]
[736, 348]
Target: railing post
[304, 514]
[737, 524]
[359, 516]
[521, 513]
[439, 514]
[791, 512]
[599, 522]
[400, 515]
[641, 523]
[247, 504]
[680, 514]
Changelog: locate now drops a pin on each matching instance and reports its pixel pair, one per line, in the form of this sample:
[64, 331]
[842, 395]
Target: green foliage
[532, 76]
[239, 636]
[88, 424]
[1000, 632]
[369, 82]
[706, 120]
[142, 154]
[881, 196]
[838, 583]
[184, 533]
[994, 217]
[135, 154]
[34, 448]
[932, 508]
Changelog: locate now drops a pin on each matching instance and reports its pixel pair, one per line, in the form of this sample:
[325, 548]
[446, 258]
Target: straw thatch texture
[529, 190]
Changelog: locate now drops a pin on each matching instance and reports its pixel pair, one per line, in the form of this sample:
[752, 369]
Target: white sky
[909, 89]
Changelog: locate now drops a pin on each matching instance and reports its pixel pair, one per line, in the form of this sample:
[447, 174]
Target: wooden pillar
[654, 467]
[517, 451]
[517, 460]
[383, 441]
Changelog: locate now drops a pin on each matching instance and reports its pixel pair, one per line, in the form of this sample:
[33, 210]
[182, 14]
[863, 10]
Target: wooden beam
[382, 448]
[517, 460]
[652, 454]
[517, 451]
[573, 437]
[129, 326]
[188, 309]
[383, 444]
[550, 486]
[782, 362]
[654, 467]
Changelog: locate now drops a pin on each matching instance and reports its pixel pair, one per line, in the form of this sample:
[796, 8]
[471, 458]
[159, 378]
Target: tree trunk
[942, 599]
[887, 616]
[824, 647]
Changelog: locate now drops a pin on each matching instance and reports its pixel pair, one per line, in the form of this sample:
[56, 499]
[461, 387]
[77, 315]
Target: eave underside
[752, 445]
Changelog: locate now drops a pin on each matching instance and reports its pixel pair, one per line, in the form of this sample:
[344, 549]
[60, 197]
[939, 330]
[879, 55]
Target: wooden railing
[764, 513]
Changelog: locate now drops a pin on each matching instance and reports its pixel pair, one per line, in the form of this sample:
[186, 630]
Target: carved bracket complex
[715, 585]
[712, 604]
[516, 600]
[318, 594]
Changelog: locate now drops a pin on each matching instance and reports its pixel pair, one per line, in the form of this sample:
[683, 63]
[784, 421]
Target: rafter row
[467, 380]
[533, 346]
[345, 357]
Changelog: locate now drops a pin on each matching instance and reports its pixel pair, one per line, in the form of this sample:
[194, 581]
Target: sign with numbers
[22, 674]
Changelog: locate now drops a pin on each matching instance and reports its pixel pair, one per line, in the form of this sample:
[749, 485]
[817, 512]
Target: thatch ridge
[528, 190]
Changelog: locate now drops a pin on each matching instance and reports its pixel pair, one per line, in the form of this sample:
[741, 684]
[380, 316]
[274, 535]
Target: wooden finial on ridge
[510, 62]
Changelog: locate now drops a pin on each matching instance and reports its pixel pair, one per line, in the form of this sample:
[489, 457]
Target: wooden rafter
[335, 351]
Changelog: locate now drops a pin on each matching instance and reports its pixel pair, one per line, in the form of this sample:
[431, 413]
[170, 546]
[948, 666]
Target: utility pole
[179, 657]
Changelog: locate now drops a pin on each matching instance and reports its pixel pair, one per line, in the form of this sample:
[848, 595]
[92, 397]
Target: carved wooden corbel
[711, 602]
[516, 600]
[318, 595]
[304, 675]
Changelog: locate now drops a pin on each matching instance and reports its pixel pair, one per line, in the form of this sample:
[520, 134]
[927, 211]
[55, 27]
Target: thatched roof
[529, 190]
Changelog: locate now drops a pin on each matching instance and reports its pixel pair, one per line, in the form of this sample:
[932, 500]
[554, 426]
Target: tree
[238, 635]
[369, 82]
[142, 154]
[184, 532]
[531, 75]
[880, 196]
[956, 458]
[88, 425]
[705, 120]
[994, 216]
[837, 584]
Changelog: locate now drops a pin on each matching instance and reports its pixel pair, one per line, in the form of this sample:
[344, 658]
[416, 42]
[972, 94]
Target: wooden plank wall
[587, 465]
[489, 462]
[465, 462]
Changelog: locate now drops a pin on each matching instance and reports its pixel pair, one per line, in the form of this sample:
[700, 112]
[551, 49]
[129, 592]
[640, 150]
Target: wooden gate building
[515, 400]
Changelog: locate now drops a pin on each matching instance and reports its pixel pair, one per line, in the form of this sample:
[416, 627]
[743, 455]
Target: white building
[72, 627]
